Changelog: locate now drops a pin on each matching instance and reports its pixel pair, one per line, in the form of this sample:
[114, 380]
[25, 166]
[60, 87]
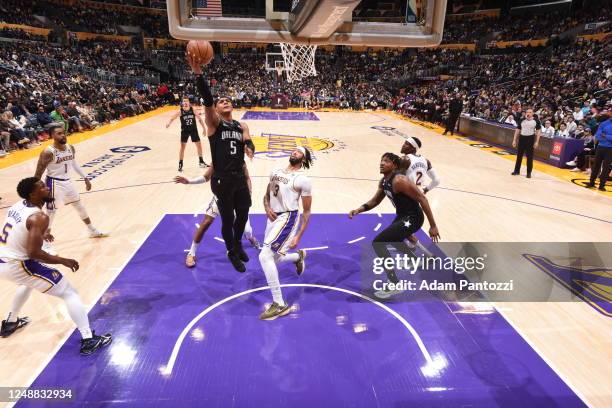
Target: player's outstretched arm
[211, 117]
[435, 180]
[401, 184]
[306, 204]
[304, 186]
[199, 116]
[374, 201]
[37, 224]
[44, 159]
[197, 180]
[173, 118]
[79, 170]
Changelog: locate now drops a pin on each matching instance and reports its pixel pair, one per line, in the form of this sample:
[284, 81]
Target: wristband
[249, 143]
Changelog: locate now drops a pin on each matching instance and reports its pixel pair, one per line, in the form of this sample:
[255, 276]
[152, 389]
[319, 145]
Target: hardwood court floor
[477, 201]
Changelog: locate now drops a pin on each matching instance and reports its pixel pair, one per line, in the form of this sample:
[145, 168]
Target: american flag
[207, 8]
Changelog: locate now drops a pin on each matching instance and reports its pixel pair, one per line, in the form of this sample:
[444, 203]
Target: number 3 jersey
[62, 161]
[14, 234]
[286, 188]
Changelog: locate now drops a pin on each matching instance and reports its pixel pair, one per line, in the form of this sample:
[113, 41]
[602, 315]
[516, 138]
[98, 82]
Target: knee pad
[80, 209]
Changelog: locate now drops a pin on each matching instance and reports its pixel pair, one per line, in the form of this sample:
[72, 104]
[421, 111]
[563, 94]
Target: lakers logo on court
[592, 284]
[276, 146]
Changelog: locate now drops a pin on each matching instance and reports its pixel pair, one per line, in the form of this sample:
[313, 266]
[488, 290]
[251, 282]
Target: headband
[412, 142]
[302, 149]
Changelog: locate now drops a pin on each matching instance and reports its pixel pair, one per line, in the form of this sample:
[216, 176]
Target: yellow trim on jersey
[36, 276]
[281, 230]
[295, 226]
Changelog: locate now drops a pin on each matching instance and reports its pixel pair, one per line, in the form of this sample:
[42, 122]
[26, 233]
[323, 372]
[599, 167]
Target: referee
[529, 131]
[603, 154]
[229, 141]
[455, 107]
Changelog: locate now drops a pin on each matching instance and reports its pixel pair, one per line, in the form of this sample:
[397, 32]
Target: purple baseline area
[256, 115]
[334, 350]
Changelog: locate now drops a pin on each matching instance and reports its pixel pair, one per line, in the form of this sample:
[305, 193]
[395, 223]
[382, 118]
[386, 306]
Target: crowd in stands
[33, 95]
[515, 28]
[567, 84]
[341, 82]
[20, 35]
[566, 87]
[80, 17]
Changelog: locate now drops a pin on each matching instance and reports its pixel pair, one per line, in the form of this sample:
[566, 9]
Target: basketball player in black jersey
[229, 141]
[409, 202]
[189, 129]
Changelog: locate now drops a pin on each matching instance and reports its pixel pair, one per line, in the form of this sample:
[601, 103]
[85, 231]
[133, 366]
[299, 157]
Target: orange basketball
[201, 51]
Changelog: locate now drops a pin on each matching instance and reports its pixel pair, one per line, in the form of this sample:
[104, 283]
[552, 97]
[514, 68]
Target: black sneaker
[203, 165]
[515, 173]
[88, 346]
[300, 265]
[180, 169]
[391, 276]
[601, 188]
[240, 252]
[236, 262]
[590, 185]
[528, 175]
[9, 328]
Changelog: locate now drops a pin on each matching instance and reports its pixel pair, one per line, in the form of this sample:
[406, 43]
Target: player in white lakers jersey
[58, 160]
[212, 211]
[21, 254]
[416, 167]
[282, 202]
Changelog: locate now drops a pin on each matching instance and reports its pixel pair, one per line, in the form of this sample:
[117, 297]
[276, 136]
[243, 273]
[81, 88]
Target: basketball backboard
[334, 22]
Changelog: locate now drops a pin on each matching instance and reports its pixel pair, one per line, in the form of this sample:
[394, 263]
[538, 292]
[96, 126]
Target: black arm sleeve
[204, 91]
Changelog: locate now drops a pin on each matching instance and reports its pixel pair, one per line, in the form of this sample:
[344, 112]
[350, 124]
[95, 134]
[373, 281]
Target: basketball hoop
[299, 60]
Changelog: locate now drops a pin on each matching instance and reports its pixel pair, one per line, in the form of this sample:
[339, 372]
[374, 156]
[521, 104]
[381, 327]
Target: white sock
[75, 306]
[266, 259]
[21, 296]
[248, 230]
[290, 257]
[91, 227]
[194, 248]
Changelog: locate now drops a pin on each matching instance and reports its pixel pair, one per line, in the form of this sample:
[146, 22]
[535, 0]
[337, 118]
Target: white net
[299, 61]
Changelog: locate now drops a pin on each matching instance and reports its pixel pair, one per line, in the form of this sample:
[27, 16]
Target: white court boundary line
[167, 369]
[64, 338]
